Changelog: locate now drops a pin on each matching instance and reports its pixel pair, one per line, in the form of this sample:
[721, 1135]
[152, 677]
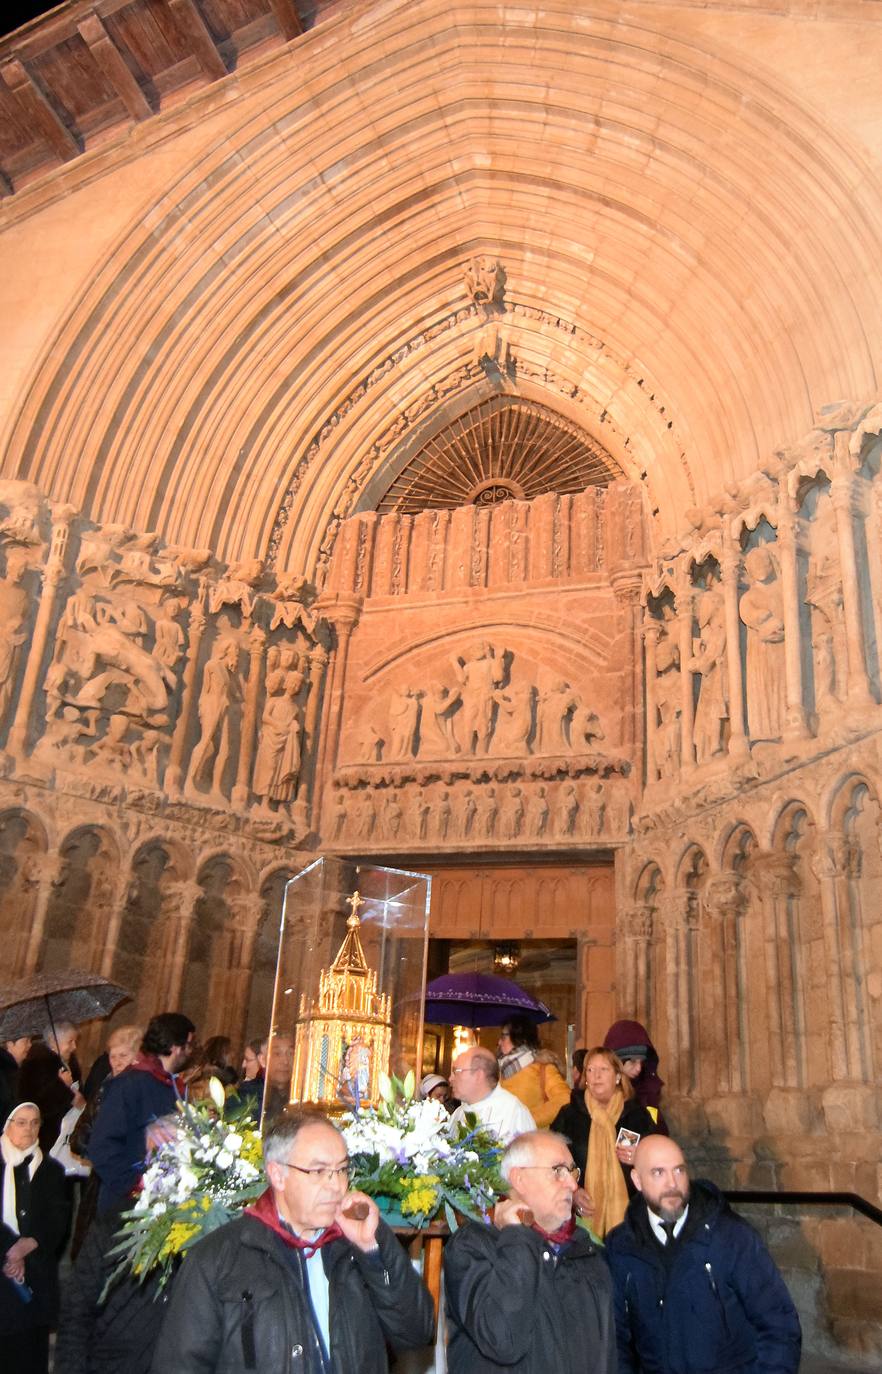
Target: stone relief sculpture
[14, 603]
[488, 812]
[480, 672]
[237, 587]
[709, 661]
[825, 597]
[556, 704]
[443, 814]
[566, 810]
[511, 816]
[469, 810]
[221, 692]
[442, 703]
[595, 808]
[404, 715]
[538, 813]
[668, 696]
[392, 815]
[514, 721]
[277, 763]
[762, 611]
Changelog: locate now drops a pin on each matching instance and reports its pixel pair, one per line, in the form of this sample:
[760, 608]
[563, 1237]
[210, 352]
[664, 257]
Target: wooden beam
[111, 62]
[192, 25]
[39, 110]
[287, 18]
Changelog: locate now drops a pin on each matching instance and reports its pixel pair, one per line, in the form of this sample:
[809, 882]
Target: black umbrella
[28, 1006]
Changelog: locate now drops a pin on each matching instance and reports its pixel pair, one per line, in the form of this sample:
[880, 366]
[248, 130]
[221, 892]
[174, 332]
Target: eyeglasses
[560, 1171]
[322, 1174]
[454, 1072]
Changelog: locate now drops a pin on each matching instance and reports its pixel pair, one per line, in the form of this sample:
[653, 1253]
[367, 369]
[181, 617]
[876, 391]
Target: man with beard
[695, 1287]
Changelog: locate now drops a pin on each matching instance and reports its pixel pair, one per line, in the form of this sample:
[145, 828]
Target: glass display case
[350, 981]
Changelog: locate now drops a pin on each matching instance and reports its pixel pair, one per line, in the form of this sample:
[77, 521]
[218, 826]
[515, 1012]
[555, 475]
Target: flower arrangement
[406, 1157]
[204, 1170]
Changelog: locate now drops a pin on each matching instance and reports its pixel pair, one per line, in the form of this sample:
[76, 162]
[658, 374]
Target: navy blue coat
[719, 1306]
[117, 1143]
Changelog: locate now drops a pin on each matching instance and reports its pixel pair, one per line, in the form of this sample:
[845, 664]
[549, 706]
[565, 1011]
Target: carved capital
[181, 897]
[837, 857]
[776, 875]
[635, 922]
[725, 894]
[247, 910]
[679, 910]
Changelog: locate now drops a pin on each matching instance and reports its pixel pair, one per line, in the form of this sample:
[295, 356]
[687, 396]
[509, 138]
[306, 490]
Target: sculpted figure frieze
[480, 672]
[762, 611]
[277, 764]
[221, 692]
[709, 661]
[14, 608]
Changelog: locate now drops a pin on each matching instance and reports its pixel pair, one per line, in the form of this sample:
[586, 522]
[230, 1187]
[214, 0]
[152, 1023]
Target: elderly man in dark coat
[309, 1279]
[530, 1294]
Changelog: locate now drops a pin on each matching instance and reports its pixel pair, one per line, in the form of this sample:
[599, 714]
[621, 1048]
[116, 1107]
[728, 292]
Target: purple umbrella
[478, 999]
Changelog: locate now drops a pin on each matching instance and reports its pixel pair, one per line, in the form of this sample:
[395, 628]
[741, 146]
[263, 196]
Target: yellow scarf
[603, 1176]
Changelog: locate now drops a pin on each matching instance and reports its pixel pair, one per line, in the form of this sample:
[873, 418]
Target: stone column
[730, 567]
[778, 883]
[685, 613]
[231, 980]
[726, 903]
[795, 723]
[45, 873]
[53, 577]
[837, 867]
[342, 612]
[679, 912]
[174, 777]
[857, 685]
[176, 918]
[651, 636]
[318, 662]
[241, 787]
[829, 866]
[635, 928]
[626, 587]
[106, 936]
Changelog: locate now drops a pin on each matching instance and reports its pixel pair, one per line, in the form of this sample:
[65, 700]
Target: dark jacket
[625, 1035]
[120, 1333]
[43, 1211]
[117, 1143]
[513, 1305]
[38, 1082]
[575, 1123]
[9, 1072]
[720, 1305]
[239, 1304]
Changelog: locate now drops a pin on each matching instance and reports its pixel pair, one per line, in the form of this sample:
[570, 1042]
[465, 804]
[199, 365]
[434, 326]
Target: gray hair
[53, 1029]
[284, 1130]
[522, 1150]
[486, 1061]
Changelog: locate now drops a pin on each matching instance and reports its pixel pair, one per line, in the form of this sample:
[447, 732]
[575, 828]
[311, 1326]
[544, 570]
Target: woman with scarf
[35, 1218]
[531, 1073]
[592, 1123]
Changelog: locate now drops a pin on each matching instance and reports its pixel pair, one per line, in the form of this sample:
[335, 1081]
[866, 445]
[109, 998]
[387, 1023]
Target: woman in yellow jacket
[530, 1072]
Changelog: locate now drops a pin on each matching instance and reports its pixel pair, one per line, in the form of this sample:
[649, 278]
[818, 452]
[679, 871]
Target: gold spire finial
[355, 901]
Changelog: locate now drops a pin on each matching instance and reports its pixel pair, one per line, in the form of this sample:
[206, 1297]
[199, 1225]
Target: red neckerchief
[562, 1235]
[152, 1064]
[265, 1211]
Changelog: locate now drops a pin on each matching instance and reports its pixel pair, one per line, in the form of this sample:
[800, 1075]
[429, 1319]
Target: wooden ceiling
[82, 74]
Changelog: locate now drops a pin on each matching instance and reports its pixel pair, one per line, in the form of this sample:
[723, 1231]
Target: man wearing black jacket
[695, 1287]
[530, 1294]
[304, 1280]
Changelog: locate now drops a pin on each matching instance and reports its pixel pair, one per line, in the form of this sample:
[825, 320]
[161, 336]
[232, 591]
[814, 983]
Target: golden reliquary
[343, 1035]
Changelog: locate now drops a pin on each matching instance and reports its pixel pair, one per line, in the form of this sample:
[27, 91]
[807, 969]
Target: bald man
[695, 1287]
[474, 1079]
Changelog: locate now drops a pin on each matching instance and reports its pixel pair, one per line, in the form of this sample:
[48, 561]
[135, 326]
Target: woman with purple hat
[639, 1056]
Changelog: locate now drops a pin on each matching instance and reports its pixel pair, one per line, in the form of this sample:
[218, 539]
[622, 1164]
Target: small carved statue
[709, 659]
[556, 704]
[480, 674]
[566, 810]
[392, 815]
[221, 690]
[762, 611]
[404, 712]
[595, 808]
[13, 614]
[469, 809]
[277, 765]
[515, 721]
[537, 821]
[489, 812]
[340, 814]
[512, 814]
[481, 276]
[443, 815]
[443, 702]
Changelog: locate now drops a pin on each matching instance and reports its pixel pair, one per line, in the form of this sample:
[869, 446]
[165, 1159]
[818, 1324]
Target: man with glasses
[308, 1279]
[474, 1079]
[530, 1292]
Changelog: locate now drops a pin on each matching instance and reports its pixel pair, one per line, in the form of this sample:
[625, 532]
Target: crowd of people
[603, 1256]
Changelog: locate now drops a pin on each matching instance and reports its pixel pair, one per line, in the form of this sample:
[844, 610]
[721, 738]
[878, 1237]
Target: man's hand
[511, 1212]
[359, 1230]
[583, 1203]
[14, 1264]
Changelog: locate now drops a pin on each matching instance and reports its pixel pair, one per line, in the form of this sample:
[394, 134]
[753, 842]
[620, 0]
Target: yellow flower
[421, 1195]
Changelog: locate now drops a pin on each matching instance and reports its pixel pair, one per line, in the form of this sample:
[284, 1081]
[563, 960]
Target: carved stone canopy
[505, 447]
